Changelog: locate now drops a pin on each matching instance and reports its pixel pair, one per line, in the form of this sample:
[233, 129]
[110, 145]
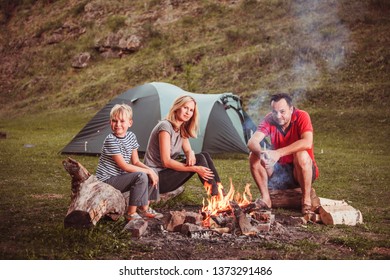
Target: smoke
[254, 103]
[321, 36]
[317, 41]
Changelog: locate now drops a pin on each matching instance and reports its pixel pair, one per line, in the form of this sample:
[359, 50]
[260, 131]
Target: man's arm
[254, 143]
[302, 144]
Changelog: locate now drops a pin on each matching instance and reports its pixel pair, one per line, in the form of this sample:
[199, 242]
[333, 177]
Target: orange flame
[220, 202]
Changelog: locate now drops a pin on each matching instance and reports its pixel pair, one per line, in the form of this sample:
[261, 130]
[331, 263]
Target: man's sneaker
[150, 214]
[134, 216]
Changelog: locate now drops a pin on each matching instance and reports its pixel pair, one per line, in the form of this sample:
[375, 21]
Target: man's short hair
[278, 96]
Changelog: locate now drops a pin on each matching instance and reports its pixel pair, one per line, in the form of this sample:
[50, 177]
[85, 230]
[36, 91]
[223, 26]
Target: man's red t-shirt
[300, 123]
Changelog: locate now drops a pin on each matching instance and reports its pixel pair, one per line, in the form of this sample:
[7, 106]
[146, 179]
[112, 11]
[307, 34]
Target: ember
[221, 203]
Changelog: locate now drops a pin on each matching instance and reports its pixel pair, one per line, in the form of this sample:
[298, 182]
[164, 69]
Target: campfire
[225, 213]
[220, 204]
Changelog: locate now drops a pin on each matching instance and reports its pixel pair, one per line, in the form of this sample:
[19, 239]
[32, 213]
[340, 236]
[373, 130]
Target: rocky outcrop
[117, 44]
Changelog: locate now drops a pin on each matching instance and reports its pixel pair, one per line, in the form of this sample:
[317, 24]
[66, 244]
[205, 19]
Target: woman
[171, 136]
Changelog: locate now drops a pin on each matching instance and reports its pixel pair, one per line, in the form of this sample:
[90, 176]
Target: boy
[120, 167]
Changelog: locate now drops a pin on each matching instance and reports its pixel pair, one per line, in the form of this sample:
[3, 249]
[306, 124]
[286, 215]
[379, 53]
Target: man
[291, 161]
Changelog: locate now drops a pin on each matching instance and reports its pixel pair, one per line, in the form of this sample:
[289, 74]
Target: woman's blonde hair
[121, 109]
[187, 129]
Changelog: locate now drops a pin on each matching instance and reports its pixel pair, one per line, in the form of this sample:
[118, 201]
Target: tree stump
[91, 199]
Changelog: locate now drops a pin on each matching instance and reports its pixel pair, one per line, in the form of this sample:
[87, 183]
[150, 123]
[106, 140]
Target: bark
[91, 199]
[292, 198]
[243, 222]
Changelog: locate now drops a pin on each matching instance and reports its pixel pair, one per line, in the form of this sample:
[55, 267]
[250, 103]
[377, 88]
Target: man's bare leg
[260, 176]
[303, 173]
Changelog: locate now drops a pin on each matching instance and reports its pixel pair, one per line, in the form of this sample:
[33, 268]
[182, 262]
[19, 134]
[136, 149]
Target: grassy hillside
[330, 53]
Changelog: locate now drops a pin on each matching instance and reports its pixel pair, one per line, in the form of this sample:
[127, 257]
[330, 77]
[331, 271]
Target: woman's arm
[168, 162]
[190, 154]
[165, 153]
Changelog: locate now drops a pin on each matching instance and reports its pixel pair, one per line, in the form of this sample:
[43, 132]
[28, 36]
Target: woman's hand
[191, 159]
[205, 173]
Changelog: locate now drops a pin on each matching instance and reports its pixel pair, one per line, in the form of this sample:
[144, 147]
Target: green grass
[35, 191]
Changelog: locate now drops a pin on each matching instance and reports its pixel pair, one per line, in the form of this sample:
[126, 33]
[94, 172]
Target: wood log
[188, 229]
[243, 222]
[91, 199]
[340, 215]
[292, 198]
[137, 227]
[175, 220]
[330, 202]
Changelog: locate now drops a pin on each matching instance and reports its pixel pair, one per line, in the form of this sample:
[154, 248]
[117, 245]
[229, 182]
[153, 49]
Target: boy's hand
[153, 178]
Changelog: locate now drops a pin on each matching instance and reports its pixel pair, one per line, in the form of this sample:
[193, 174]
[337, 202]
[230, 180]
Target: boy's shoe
[150, 214]
[134, 216]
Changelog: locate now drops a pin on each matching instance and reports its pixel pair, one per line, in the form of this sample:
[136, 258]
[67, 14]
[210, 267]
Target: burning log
[243, 222]
[223, 220]
[91, 199]
[263, 216]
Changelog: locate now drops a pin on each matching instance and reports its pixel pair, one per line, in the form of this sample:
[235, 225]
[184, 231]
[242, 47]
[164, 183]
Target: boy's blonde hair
[121, 109]
[187, 129]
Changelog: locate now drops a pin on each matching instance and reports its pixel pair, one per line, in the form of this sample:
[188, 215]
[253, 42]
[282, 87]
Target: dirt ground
[286, 232]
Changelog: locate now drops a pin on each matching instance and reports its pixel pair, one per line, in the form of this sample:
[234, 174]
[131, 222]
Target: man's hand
[269, 158]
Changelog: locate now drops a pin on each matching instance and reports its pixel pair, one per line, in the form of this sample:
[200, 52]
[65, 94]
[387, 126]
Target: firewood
[175, 220]
[137, 227]
[263, 227]
[188, 228]
[312, 217]
[221, 230]
[91, 199]
[329, 202]
[193, 218]
[340, 215]
[243, 222]
[262, 215]
[292, 198]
